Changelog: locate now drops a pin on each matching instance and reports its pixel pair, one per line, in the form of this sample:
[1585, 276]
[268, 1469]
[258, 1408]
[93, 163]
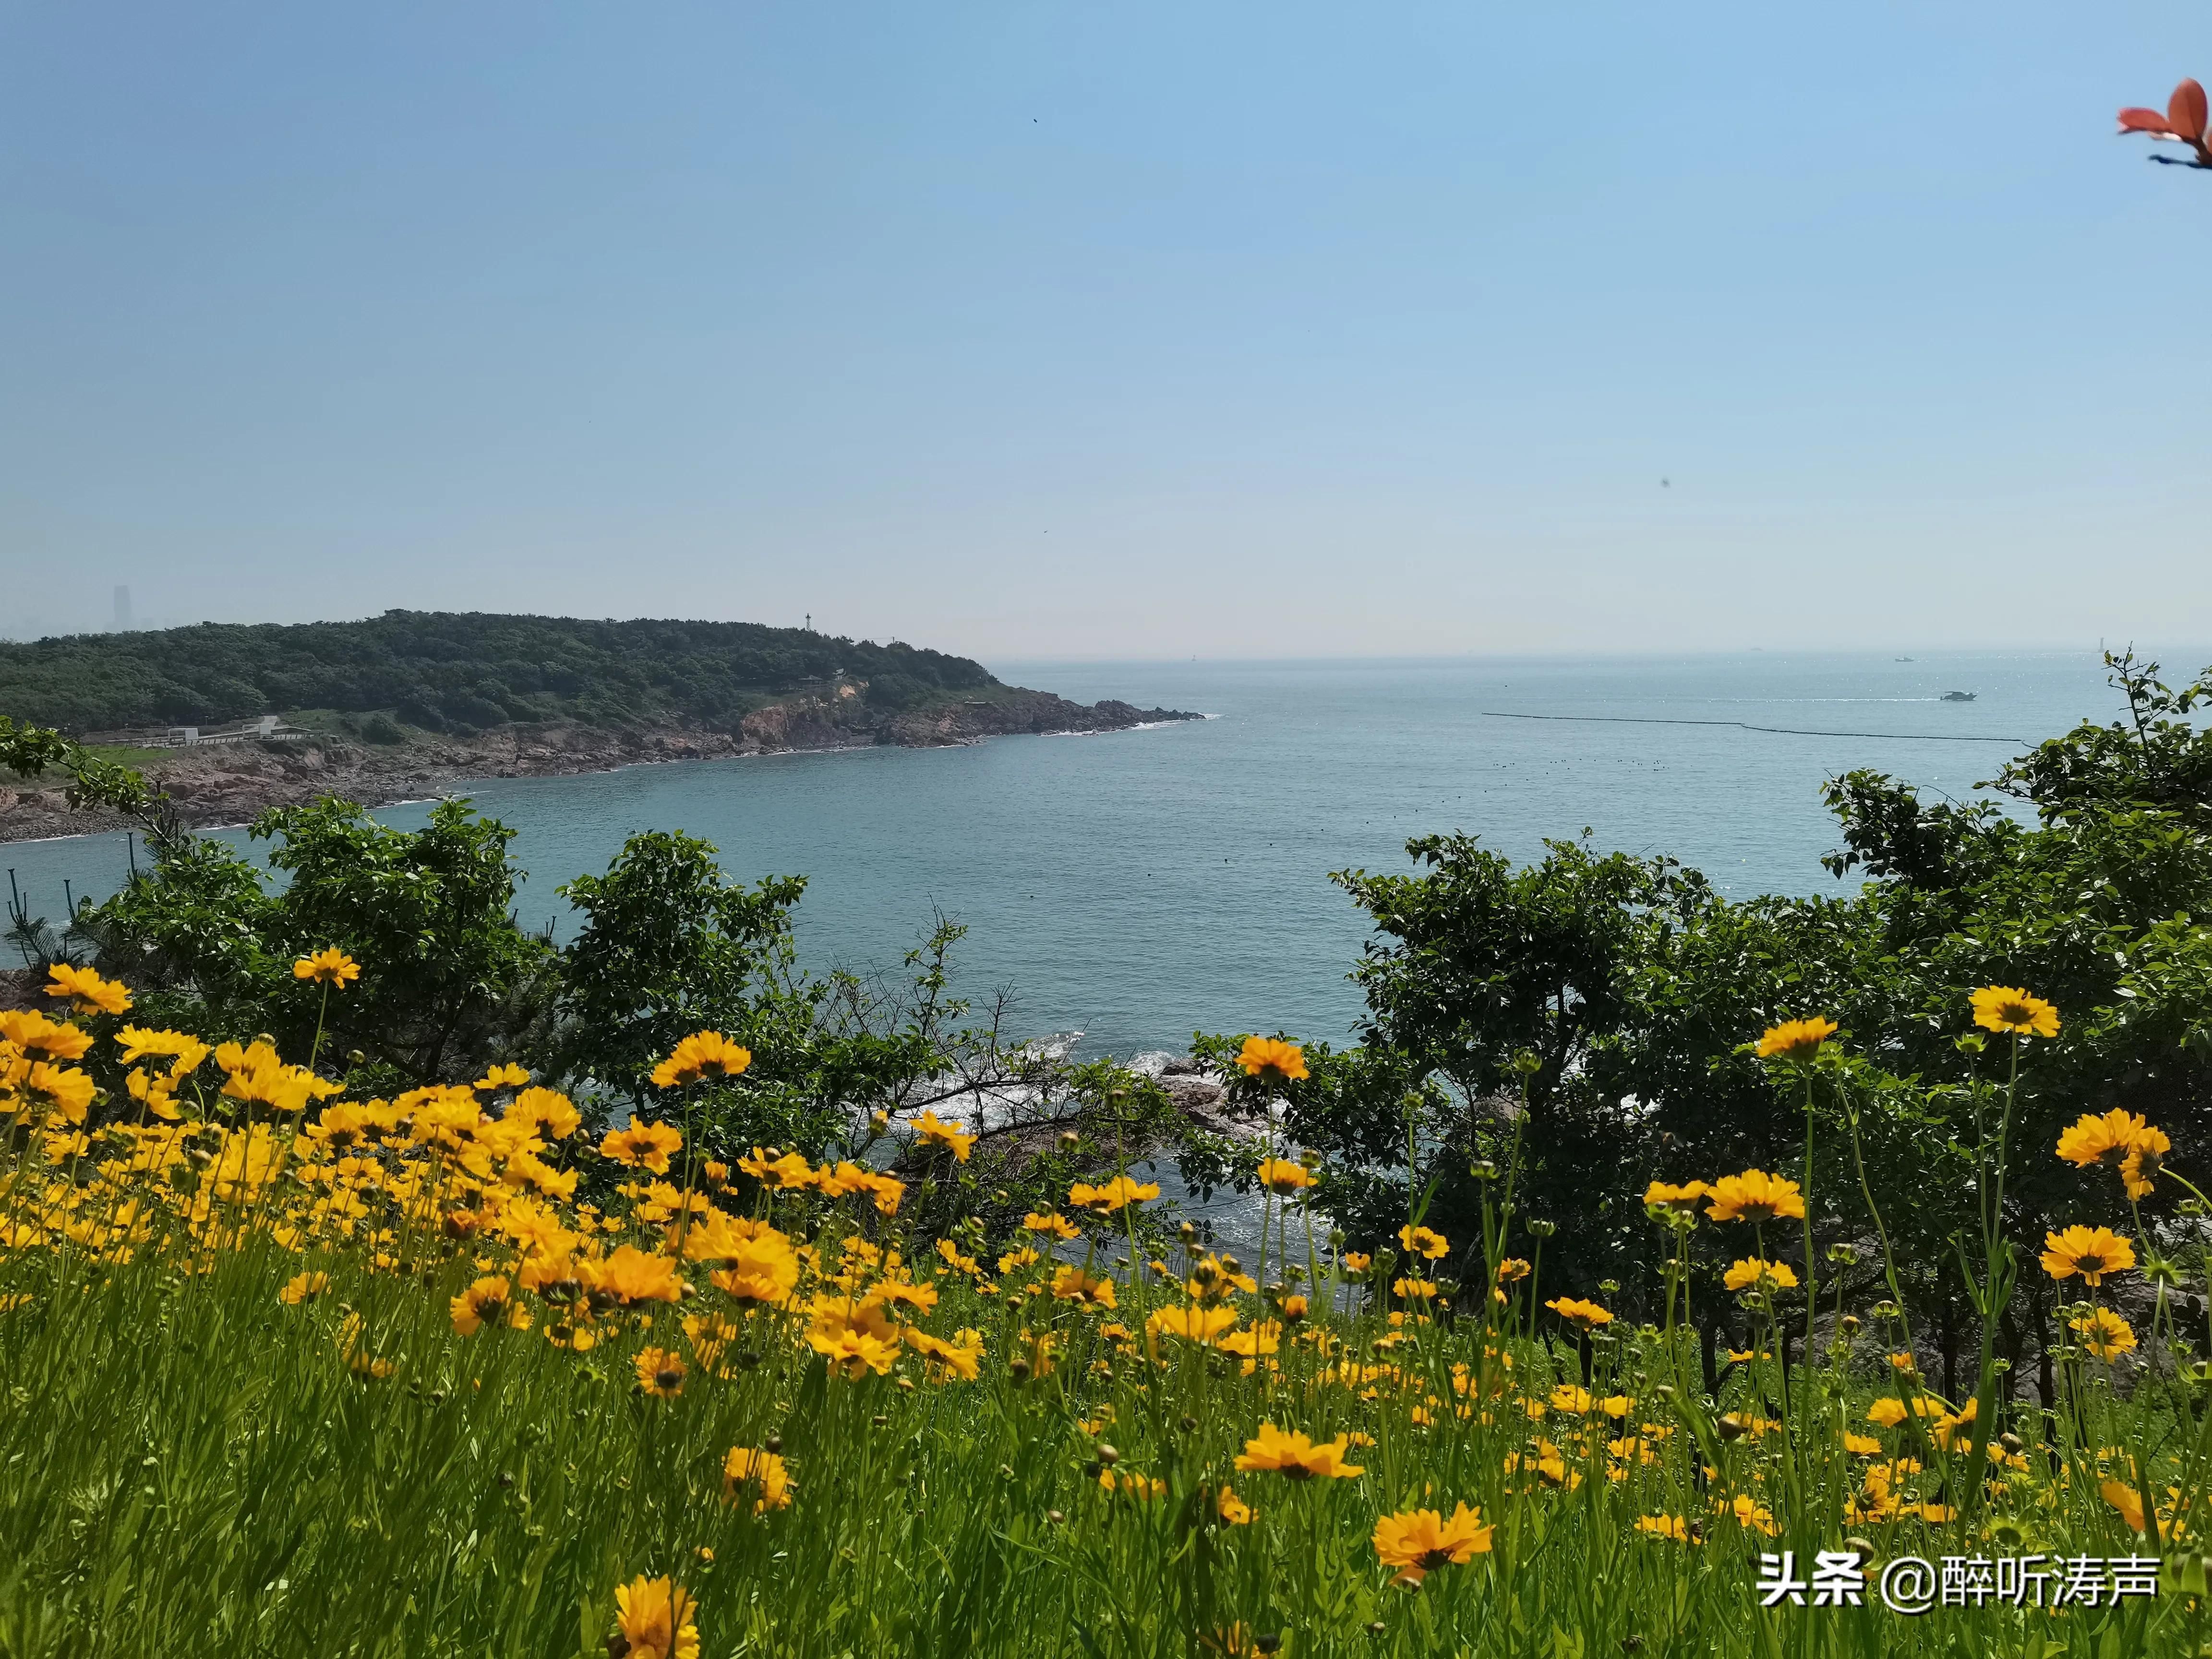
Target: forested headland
[460, 672]
[409, 703]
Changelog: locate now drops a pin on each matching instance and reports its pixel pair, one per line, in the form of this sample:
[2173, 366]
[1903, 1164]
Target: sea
[1128, 889]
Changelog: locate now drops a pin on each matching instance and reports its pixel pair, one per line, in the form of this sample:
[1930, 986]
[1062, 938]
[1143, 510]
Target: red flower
[2184, 123]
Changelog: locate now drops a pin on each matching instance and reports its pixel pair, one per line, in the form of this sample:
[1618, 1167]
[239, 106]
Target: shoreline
[229, 787]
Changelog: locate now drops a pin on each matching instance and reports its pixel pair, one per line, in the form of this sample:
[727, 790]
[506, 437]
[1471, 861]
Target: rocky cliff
[230, 783]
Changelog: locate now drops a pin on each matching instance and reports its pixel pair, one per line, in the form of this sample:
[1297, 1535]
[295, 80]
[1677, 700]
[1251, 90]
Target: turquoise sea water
[1136, 886]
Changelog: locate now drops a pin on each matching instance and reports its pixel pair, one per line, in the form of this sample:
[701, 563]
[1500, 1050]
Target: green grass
[193, 1466]
[240, 1415]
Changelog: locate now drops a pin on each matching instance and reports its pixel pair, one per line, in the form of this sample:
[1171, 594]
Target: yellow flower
[1665, 1526]
[2004, 1008]
[1754, 1195]
[1795, 1039]
[2117, 1139]
[184, 1052]
[1232, 1509]
[1200, 1325]
[1295, 1455]
[2128, 1501]
[87, 990]
[305, 1287]
[1280, 1061]
[1052, 1222]
[2101, 1139]
[934, 1133]
[850, 1177]
[963, 1357]
[1888, 1412]
[760, 1473]
[28, 1028]
[332, 966]
[2103, 1332]
[959, 1263]
[660, 1373]
[2143, 1162]
[1582, 1315]
[549, 1110]
[2090, 1252]
[761, 1269]
[1418, 1541]
[255, 1075]
[359, 1360]
[856, 1338]
[69, 1090]
[1413, 1290]
[1424, 1241]
[1948, 1425]
[642, 1143]
[486, 1299]
[1071, 1284]
[702, 1055]
[503, 1077]
[1567, 1397]
[655, 1618]
[785, 1173]
[1115, 1194]
[1251, 1345]
[1863, 1445]
[1284, 1174]
[1753, 1515]
[158, 1094]
[1137, 1486]
[1512, 1270]
[1037, 1358]
[1663, 1195]
[1751, 1271]
[630, 1276]
[1355, 1262]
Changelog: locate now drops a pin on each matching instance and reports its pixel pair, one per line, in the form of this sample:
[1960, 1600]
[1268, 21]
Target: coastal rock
[1193, 1094]
[234, 782]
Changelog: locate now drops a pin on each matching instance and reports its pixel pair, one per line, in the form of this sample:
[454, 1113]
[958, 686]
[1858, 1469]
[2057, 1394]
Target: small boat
[1959, 696]
[1902, 659]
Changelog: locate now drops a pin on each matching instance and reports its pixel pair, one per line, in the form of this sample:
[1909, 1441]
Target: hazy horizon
[2175, 656]
[1037, 334]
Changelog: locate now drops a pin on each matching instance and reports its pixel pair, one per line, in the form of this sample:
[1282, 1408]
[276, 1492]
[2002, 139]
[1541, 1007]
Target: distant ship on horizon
[1960, 696]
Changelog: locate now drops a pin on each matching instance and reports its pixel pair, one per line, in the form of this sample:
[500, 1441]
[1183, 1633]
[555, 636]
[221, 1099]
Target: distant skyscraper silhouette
[122, 610]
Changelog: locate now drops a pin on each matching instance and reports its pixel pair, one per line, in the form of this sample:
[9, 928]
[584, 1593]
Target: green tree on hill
[443, 671]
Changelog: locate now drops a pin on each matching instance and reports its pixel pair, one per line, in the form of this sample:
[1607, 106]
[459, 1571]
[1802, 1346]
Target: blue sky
[1038, 330]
